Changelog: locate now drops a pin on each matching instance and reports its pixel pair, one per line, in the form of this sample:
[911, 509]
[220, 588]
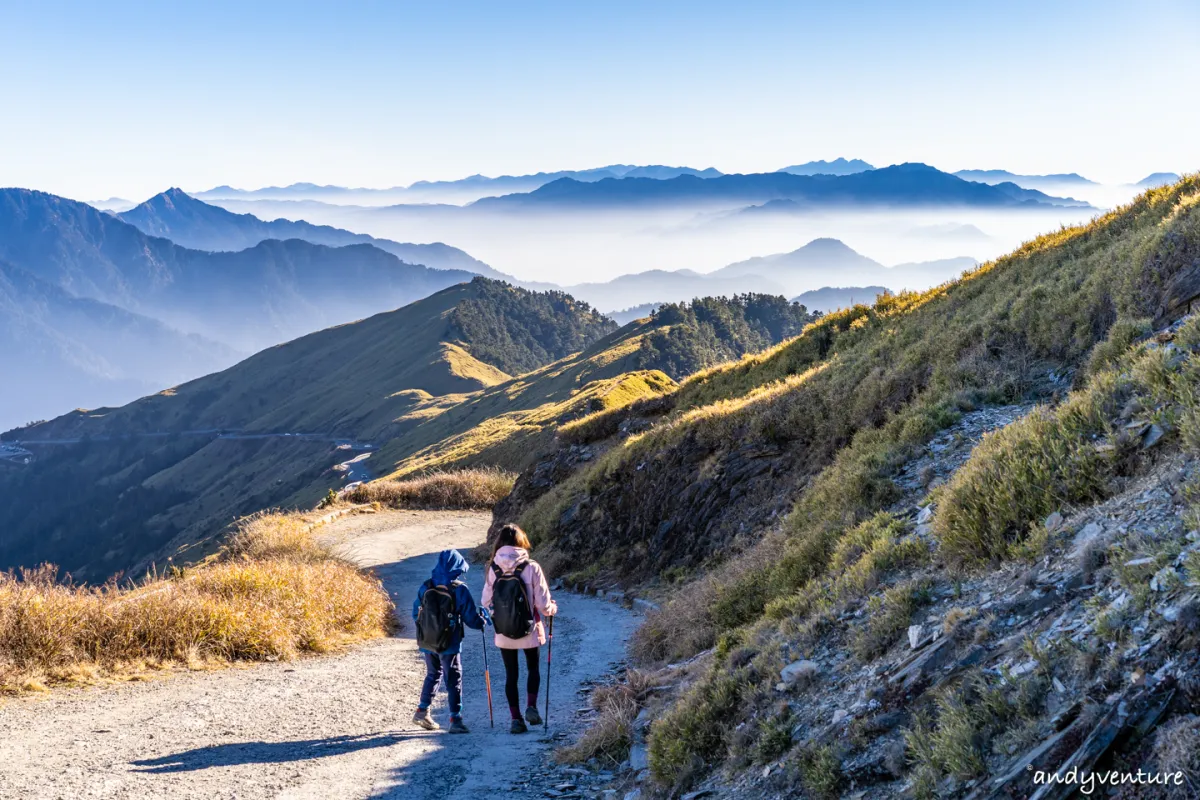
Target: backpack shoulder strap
[496, 568]
[521, 565]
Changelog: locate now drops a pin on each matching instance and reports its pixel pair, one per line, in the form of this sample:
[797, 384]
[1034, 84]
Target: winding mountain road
[321, 727]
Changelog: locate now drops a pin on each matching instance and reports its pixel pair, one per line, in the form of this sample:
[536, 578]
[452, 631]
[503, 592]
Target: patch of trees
[518, 330]
[712, 330]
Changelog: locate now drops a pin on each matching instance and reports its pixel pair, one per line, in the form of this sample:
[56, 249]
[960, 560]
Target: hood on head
[508, 556]
[449, 567]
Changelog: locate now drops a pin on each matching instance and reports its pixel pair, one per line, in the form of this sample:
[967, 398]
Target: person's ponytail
[510, 535]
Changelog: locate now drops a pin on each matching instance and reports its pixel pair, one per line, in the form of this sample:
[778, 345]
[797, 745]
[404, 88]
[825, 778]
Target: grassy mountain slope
[514, 423]
[191, 223]
[879, 377]
[58, 351]
[768, 476]
[157, 474]
[422, 382]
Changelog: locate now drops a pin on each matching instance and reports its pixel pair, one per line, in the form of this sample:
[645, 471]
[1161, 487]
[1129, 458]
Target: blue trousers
[435, 667]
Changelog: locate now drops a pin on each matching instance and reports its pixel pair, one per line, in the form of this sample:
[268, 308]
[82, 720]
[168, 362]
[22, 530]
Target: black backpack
[512, 613]
[437, 619]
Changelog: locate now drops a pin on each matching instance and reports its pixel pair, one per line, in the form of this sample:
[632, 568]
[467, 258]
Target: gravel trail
[322, 727]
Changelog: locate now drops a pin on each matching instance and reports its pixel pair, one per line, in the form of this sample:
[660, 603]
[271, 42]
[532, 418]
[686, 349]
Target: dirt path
[331, 727]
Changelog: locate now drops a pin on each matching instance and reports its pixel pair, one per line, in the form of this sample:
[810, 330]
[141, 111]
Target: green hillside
[426, 386]
[771, 505]
[174, 467]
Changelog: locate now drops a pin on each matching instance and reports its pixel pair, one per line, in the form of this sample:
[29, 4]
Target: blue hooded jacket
[450, 566]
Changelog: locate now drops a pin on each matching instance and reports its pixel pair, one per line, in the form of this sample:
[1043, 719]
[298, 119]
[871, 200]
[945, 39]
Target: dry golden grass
[609, 737]
[275, 592]
[461, 489]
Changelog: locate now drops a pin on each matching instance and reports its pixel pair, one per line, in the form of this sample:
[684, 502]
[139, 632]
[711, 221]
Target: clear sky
[120, 98]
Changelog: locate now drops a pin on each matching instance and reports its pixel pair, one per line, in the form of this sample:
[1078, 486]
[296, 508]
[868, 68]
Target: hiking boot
[532, 716]
[422, 718]
[457, 726]
[518, 726]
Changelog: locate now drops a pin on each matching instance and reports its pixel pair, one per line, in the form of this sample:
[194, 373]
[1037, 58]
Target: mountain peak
[839, 166]
[827, 246]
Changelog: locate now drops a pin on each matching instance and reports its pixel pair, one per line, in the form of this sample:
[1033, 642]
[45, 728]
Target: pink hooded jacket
[539, 596]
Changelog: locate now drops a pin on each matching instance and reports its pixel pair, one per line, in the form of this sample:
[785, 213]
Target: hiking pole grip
[549, 652]
[487, 679]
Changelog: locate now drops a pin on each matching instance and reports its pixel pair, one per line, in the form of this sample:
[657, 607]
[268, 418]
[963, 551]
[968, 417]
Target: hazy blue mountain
[194, 224]
[919, 275]
[821, 261]
[831, 298]
[904, 185]
[669, 287]
[1043, 182]
[113, 204]
[463, 190]
[59, 352]
[659, 172]
[253, 298]
[1156, 179]
[628, 315]
[839, 166]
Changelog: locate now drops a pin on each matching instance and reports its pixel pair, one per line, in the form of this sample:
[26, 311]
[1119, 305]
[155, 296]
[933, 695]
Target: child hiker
[517, 596]
[443, 605]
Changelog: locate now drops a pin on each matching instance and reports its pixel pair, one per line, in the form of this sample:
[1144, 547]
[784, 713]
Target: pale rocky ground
[321, 727]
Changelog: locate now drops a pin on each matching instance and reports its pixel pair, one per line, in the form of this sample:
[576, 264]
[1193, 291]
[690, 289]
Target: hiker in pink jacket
[516, 586]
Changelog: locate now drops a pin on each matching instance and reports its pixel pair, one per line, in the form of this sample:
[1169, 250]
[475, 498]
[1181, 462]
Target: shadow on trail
[240, 753]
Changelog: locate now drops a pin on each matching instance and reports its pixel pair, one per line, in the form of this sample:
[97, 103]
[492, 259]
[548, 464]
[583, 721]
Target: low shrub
[609, 738]
[694, 732]
[1019, 474]
[465, 489]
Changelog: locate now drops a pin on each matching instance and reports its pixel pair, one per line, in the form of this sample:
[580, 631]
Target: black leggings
[533, 681]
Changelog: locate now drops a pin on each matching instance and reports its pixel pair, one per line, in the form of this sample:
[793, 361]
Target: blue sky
[120, 98]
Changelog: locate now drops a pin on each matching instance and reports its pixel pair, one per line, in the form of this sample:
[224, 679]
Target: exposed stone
[915, 636]
[1152, 436]
[925, 515]
[638, 757]
[1092, 532]
[1053, 522]
[799, 673]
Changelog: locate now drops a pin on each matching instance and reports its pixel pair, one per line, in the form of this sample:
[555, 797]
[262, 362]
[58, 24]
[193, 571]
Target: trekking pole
[549, 651]
[487, 678]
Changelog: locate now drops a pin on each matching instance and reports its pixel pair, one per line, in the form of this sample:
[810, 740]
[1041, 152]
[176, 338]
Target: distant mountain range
[839, 166]
[1045, 183]
[816, 263]
[191, 223]
[476, 187]
[801, 272]
[907, 185]
[464, 190]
